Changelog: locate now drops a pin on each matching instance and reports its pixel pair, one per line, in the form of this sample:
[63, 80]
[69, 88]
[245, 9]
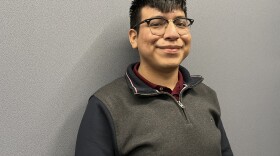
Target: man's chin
[170, 67]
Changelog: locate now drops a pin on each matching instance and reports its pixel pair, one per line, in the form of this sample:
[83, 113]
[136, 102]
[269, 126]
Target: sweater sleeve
[96, 132]
[225, 146]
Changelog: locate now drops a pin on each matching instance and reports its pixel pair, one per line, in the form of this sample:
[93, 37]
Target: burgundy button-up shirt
[175, 92]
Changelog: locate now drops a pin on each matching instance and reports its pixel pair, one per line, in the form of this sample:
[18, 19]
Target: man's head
[160, 32]
[162, 5]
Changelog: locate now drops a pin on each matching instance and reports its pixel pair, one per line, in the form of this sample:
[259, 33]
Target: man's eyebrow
[157, 17]
[180, 17]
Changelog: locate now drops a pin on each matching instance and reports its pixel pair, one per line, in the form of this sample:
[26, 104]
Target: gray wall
[55, 54]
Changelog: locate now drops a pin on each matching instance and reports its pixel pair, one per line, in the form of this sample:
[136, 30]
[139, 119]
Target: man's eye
[181, 24]
[156, 23]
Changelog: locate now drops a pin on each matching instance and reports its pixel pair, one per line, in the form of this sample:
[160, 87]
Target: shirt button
[161, 88]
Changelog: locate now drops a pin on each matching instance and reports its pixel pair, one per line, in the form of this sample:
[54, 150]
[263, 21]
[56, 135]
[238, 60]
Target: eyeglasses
[158, 25]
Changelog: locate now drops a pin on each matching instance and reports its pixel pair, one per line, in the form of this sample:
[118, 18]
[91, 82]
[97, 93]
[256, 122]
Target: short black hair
[162, 5]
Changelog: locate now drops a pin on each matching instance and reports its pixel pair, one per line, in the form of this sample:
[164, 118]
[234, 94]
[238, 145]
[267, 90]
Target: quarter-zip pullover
[129, 118]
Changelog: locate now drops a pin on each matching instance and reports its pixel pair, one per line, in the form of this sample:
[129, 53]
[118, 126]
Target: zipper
[181, 104]
[178, 102]
[184, 111]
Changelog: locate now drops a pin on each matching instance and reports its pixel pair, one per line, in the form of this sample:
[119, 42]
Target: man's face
[160, 52]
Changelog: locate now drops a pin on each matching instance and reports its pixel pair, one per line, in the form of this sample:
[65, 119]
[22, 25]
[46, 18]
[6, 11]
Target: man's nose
[171, 32]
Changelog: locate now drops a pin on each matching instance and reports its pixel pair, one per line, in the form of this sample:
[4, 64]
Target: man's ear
[132, 35]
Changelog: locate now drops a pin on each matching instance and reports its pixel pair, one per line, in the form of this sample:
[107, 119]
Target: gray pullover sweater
[128, 118]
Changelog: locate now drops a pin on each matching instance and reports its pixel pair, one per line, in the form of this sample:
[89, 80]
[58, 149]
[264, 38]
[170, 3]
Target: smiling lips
[170, 48]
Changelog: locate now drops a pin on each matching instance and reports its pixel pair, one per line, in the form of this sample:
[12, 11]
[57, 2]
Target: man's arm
[96, 135]
[226, 149]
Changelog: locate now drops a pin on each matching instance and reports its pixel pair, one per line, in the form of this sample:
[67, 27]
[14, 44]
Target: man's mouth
[170, 48]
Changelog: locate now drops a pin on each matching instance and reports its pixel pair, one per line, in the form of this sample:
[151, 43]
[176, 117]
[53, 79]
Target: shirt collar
[140, 88]
[175, 92]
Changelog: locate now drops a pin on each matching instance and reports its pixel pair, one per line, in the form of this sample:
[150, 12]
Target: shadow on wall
[106, 59]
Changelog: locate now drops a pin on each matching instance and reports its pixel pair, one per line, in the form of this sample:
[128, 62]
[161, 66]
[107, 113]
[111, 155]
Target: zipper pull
[181, 105]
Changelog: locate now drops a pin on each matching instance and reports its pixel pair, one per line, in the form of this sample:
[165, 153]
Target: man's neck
[167, 78]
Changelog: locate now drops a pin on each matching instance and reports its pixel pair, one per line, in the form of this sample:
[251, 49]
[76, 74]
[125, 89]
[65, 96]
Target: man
[157, 108]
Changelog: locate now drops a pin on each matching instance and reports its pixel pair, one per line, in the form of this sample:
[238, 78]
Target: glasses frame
[167, 21]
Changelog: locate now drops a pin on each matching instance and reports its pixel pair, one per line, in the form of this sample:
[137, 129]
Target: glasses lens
[182, 25]
[157, 26]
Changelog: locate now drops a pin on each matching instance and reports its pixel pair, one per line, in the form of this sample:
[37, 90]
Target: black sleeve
[96, 133]
[226, 149]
